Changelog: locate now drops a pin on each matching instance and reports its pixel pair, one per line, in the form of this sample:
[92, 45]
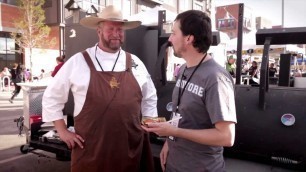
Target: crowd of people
[14, 75]
[10, 77]
[250, 71]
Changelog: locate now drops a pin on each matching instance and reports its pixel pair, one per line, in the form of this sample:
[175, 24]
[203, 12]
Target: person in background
[60, 63]
[5, 72]
[17, 77]
[231, 65]
[175, 72]
[42, 74]
[204, 113]
[111, 95]
[253, 72]
[272, 70]
[13, 72]
[297, 73]
[245, 67]
[27, 75]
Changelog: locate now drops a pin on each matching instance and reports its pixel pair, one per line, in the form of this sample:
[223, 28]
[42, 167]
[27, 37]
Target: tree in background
[31, 30]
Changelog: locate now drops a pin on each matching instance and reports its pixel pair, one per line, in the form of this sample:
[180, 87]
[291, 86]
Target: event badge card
[174, 121]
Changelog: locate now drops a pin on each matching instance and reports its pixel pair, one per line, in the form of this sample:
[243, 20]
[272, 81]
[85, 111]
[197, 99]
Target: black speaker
[284, 70]
[215, 38]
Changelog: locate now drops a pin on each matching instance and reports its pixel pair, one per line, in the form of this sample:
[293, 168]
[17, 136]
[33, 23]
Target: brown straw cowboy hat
[109, 13]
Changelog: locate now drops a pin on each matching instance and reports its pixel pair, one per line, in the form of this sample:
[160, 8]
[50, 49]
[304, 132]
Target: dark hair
[60, 58]
[198, 24]
[19, 69]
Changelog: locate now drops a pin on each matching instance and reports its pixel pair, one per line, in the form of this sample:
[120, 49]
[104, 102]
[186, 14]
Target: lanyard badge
[175, 119]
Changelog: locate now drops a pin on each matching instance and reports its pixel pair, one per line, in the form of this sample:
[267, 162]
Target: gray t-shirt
[207, 99]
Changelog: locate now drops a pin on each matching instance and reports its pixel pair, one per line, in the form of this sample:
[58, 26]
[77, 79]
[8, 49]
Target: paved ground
[12, 160]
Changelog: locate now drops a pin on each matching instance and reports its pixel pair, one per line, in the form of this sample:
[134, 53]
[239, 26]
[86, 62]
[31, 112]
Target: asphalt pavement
[12, 160]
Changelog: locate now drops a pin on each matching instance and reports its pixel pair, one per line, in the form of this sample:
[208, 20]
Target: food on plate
[145, 121]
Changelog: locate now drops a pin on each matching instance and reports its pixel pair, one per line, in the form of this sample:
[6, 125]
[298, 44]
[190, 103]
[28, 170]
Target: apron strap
[88, 60]
[91, 65]
[128, 62]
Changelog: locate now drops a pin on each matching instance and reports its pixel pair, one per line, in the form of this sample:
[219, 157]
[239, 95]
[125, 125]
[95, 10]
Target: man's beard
[110, 45]
[177, 53]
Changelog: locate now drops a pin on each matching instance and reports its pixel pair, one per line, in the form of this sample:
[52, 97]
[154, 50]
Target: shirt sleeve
[149, 100]
[220, 100]
[55, 70]
[149, 97]
[56, 94]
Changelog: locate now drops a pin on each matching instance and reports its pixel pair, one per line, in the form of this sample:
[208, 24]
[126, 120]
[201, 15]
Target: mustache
[169, 44]
[120, 40]
[115, 39]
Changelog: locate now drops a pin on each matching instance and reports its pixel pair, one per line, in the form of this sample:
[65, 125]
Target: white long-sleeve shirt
[75, 75]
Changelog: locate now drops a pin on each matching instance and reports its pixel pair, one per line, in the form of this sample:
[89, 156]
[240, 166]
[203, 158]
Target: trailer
[271, 118]
[32, 126]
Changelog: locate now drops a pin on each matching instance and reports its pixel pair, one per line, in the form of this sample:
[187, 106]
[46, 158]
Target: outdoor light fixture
[72, 5]
[92, 11]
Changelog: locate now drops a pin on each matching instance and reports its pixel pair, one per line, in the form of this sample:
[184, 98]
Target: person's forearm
[212, 137]
[60, 126]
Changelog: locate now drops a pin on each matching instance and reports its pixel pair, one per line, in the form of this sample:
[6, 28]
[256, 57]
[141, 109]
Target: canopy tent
[150, 16]
[224, 38]
[248, 42]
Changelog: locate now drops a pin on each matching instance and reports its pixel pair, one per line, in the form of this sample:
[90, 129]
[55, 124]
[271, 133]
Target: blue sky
[294, 10]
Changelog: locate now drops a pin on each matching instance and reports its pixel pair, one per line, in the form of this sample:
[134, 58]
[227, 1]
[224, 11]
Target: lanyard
[99, 62]
[181, 92]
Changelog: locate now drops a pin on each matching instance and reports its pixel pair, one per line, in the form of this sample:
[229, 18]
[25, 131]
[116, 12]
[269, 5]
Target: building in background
[227, 20]
[10, 52]
[58, 12]
[263, 23]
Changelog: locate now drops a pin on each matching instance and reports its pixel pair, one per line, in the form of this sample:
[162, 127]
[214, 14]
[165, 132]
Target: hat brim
[92, 22]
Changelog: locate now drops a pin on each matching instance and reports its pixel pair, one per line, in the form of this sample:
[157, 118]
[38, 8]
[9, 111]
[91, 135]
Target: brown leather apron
[110, 124]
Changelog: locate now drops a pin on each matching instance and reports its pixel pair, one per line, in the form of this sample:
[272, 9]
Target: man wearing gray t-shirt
[204, 113]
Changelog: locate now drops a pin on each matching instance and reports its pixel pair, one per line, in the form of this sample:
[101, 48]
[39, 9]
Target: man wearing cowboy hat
[110, 95]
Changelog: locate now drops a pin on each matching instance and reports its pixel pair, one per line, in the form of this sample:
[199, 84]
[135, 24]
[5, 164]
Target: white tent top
[150, 17]
[224, 38]
[249, 42]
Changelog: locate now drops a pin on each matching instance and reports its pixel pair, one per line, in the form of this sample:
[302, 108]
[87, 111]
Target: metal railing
[2, 85]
